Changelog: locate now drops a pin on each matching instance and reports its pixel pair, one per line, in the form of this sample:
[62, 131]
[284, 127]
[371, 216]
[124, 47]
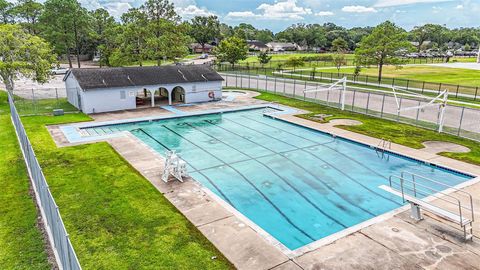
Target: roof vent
[182, 74]
[128, 78]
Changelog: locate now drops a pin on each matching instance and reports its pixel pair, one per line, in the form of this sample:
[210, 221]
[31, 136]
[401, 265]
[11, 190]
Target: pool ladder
[382, 146]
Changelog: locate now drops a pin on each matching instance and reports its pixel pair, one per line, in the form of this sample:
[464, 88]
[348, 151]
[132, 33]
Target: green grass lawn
[403, 134]
[436, 74]
[21, 242]
[42, 106]
[284, 57]
[116, 219]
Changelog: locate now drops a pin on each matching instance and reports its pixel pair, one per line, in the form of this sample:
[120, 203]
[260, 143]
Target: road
[458, 120]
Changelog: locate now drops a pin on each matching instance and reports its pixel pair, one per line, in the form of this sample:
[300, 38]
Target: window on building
[123, 95]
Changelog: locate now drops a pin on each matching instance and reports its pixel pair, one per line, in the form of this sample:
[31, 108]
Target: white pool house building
[96, 90]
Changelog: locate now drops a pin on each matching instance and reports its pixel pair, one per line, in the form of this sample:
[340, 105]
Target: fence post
[400, 106]
[439, 88]
[383, 105]
[304, 88]
[476, 92]
[461, 120]
[458, 87]
[33, 102]
[368, 103]
[353, 101]
[418, 111]
[294, 86]
[423, 86]
[408, 84]
[275, 86]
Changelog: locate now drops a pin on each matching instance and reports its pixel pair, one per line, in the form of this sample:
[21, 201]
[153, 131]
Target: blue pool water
[299, 185]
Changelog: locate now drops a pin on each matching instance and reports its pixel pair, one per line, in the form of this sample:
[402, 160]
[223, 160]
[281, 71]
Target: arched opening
[161, 95]
[178, 94]
[143, 98]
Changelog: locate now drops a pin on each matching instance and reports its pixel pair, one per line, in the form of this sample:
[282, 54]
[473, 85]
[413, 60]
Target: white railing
[57, 234]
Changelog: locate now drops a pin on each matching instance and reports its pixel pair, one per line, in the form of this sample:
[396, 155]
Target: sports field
[426, 73]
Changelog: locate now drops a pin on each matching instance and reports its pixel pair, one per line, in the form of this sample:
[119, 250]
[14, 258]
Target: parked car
[59, 70]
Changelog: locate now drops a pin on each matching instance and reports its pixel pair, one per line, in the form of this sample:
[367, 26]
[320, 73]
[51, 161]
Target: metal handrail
[414, 188]
[445, 185]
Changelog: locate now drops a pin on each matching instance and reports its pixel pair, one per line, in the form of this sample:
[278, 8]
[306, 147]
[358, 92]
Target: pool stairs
[440, 199]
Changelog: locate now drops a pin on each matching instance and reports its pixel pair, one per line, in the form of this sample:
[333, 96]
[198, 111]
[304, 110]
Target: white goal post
[440, 100]
[341, 84]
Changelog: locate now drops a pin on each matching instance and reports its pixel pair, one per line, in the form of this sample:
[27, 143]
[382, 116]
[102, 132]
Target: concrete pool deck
[393, 241]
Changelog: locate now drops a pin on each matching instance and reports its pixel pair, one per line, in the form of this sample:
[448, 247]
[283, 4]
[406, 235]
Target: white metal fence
[57, 234]
[459, 121]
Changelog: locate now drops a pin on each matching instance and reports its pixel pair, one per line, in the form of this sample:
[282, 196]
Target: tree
[28, 11]
[5, 12]
[205, 29]
[264, 58]
[132, 40]
[103, 34]
[167, 38]
[429, 32]
[232, 50]
[381, 47]
[339, 45]
[294, 62]
[23, 54]
[339, 60]
[64, 23]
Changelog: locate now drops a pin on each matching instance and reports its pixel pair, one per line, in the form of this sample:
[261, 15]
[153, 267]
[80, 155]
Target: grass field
[436, 74]
[284, 57]
[42, 106]
[21, 242]
[116, 219]
[403, 134]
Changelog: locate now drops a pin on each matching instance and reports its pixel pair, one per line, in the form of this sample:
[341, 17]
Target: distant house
[282, 46]
[197, 48]
[257, 46]
[95, 90]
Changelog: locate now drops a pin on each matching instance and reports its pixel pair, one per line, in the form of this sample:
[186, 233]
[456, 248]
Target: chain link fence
[38, 101]
[460, 92]
[57, 234]
[458, 121]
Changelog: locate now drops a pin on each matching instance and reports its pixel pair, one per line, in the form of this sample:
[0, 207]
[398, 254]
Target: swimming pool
[297, 184]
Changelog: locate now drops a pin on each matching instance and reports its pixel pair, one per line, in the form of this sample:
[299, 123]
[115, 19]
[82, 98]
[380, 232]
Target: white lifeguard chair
[174, 166]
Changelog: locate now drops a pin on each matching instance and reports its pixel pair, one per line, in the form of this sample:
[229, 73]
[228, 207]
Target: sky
[276, 15]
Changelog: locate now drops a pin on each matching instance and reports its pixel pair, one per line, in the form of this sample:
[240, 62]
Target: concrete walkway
[473, 66]
[395, 241]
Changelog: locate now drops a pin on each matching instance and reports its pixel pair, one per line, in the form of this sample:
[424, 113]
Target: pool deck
[393, 240]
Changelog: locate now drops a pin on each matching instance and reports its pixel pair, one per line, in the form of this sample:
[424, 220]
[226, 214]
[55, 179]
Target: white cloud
[459, 7]
[393, 3]
[116, 9]
[283, 10]
[324, 13]
[241, 14]
[192, 11]
[358, 9]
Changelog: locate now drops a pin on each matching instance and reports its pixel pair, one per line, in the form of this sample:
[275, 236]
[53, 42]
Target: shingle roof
[95, 78]
[256, 43]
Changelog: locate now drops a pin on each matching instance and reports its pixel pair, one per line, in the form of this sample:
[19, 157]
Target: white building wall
[73, 90]
[108, 100]
[200, 92]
